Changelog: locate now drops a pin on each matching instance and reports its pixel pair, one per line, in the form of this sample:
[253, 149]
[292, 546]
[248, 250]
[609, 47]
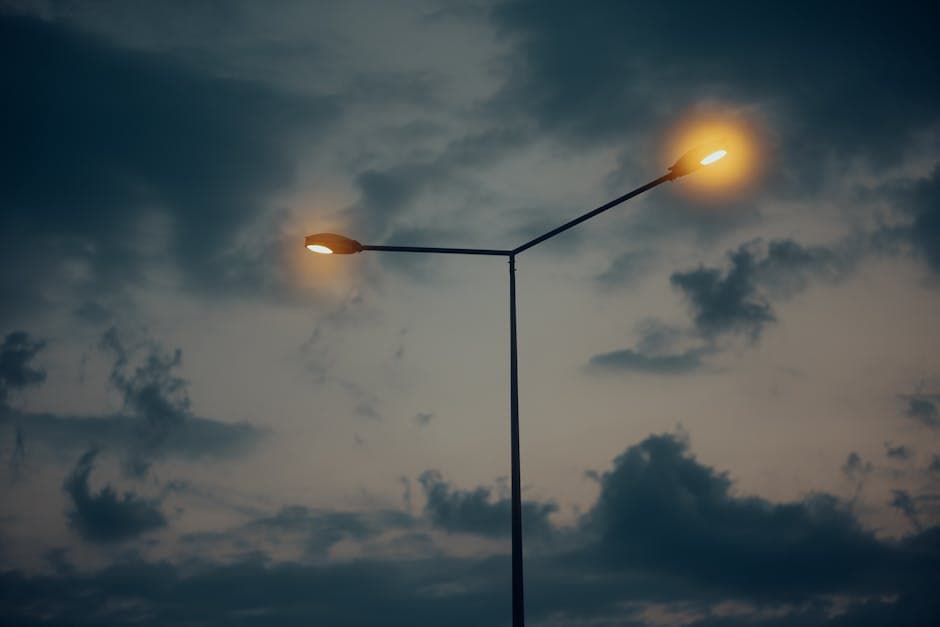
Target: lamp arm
[445, 251]
[538, 240]
[590, 214]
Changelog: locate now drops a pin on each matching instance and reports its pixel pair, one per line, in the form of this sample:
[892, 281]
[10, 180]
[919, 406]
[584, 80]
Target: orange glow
[327, 277]
[318, 248]
[729, 170]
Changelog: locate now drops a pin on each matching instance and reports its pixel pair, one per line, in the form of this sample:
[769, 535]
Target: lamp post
[331, 243]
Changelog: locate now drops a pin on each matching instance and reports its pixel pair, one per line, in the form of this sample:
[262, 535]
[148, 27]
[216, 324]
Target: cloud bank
[666, 533]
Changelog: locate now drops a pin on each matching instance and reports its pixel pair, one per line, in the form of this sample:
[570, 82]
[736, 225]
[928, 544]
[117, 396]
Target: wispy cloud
[16, 372]
[105, 516]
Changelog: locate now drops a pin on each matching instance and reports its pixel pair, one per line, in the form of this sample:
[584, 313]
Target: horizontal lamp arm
[445, 251]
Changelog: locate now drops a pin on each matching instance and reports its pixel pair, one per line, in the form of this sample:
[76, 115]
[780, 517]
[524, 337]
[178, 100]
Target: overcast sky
[729, 389]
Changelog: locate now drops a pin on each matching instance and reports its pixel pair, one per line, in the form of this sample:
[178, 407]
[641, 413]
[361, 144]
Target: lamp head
[331, 243]
[698, 157]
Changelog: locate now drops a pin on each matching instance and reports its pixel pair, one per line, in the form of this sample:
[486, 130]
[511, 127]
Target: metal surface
[518, 594]
[518, 591]
[445, 251]
[590, 214]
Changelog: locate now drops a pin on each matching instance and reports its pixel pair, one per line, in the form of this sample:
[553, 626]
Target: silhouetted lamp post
[330, 243]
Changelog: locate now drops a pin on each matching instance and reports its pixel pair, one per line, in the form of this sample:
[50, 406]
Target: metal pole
[518, 596]
[429, 249]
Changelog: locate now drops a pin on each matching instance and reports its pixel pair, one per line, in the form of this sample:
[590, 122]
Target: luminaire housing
[331, 243]
[698, 157]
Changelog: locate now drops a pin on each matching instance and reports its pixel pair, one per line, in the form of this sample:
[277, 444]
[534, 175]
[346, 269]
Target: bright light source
[319, 248]
[699, 156]
[723, 149]
[713, 157]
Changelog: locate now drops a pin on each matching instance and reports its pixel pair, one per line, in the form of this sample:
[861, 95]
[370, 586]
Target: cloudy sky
[730, 386]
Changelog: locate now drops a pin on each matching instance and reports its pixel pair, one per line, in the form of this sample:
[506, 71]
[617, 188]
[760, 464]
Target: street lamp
[331, 243]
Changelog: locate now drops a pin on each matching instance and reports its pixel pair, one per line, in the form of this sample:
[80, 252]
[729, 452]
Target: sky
[729, 385]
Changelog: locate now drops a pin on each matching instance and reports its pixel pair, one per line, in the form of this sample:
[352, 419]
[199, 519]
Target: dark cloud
[924, 411]
[461, 593]
[476, 511]
[152, 393]
[367, 411]
[383, 195]
[662, 510]
[629, 360]
[58, 559]
[386, 195]
[934, 464]
[196, 438]
[622, 75]
[902, 501]
[106, 517]
[157, 420]
[898, 452]
[666, 532]
[600, 75]
[458, 592]
[423, 418]
[117, 159]
[738, 300]
[788, 267]
[657, 336]
[856, 469]
[16, 373]
[16, 353]
[18, 455]
[320, 530]
[151, 390]
[625, 270]
[406, 493]
[92, 312]
[656, 352]
[726, 302]
[923, 202]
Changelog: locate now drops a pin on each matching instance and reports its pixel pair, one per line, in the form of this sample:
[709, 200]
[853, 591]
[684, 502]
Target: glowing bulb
[713, 157]
[319, 248]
